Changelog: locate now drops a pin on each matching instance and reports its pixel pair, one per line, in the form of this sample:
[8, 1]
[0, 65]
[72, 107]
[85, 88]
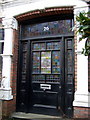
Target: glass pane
[69, 43]
[24, 62]
[36, 62]
[47, 28]
[46, 62]
[24, 46]
[53, 45]
[39, 46]
[53, 78]
[70, 61]
[38, 78]
[70, 78]
[56, 62]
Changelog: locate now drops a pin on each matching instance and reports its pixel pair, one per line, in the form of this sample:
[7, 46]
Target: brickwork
[89, 73]
[10, 106]
[81, 112]
[75, 60]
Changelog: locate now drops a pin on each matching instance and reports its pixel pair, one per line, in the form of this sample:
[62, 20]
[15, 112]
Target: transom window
[47, 28]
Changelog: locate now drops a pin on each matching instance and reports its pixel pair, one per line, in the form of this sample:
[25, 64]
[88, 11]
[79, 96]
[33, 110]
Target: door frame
[64, 37]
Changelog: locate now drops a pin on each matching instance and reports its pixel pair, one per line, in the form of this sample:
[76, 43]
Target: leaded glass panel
[36, 62]
[25, 46]
[52, 78]
[39, 46]
[53, 45]
[38, 78]
[56, 62]
[70, 63]
[47, 28]
[46, 61]
[70, 78]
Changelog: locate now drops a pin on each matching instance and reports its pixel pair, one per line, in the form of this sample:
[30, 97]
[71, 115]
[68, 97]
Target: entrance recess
[45, 74]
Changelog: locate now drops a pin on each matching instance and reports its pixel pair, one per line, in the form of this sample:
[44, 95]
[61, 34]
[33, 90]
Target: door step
[29, 116]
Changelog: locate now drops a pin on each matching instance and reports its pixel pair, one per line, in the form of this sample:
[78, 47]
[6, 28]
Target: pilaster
[82, 96]
[6, 90]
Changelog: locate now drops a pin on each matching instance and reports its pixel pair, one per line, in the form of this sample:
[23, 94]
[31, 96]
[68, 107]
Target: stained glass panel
[69, 43]
[70, 63]
[70, 78]
[56, 62]
[52, 78]
[46, 62]
[48, 28]
[53, 45]
[38, 78]
[25, 46]
[39, 46]
[36, 62]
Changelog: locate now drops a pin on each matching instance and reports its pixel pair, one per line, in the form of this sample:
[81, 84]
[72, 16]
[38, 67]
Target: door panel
[69, 76]
[46, 72]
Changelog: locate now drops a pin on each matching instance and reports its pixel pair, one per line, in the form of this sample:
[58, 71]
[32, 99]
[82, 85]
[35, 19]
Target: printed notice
[46, 62]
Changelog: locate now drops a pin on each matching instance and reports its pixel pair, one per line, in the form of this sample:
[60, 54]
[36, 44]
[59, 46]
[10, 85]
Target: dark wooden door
[47, 74]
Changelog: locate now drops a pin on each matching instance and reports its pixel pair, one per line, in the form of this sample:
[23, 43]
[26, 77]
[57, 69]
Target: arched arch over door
[45, 80]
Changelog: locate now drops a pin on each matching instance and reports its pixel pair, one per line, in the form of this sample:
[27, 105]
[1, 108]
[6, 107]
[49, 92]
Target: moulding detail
[81, 99]
[6, 94]
[10, 23]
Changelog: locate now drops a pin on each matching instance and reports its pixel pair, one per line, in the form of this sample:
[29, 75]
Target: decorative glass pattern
[36, 62]
[69, 43]
[25, 47]
[47, 28]
[46, 62]
[56, 62]
[39, 46]
[24, 57]
[53, 45]
[70, 78]
[70, 61]
[38, 78]
[52, 78]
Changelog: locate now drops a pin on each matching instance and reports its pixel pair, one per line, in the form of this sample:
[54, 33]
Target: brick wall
[89, 73]
[81, 112]
[10, 106]
[75, 58]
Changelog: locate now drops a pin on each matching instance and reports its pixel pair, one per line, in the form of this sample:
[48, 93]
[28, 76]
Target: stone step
[32, 116]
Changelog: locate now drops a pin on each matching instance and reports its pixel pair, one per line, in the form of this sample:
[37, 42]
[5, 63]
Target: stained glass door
[47, 66]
